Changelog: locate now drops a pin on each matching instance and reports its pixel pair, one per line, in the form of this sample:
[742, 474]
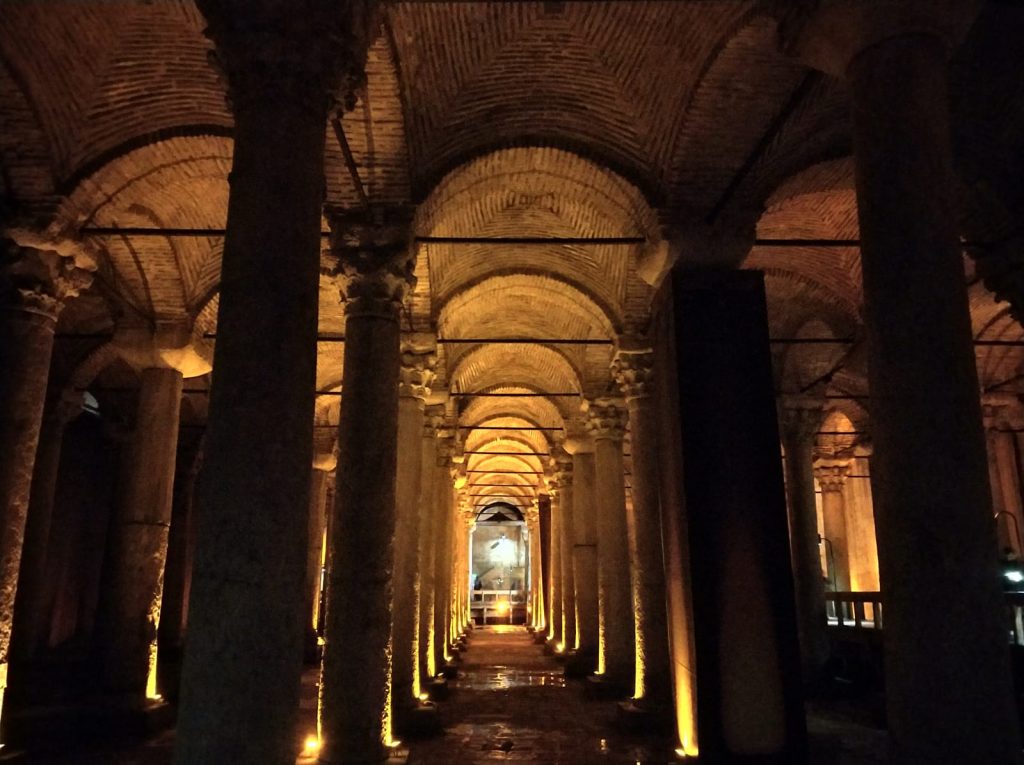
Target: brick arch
[25, 154]
[541, 410]
[490, 365]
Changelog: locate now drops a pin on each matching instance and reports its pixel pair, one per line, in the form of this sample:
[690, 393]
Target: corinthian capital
[633, 370]
[417, 371]
[606, 419]
[373, 261]
[831, 473]
[39, 275]
[310, 53]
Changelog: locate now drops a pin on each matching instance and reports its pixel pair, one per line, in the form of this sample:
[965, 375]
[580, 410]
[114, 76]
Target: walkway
[511, 704]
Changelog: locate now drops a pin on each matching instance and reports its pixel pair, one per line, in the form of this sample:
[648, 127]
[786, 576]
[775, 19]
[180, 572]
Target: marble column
[138, 539]
[30, 602]
[445, 511]
[606, 423]
[567, 540]
[429, 533]
[860, 522]
[831, 476]
[35, 282]
[417, 375]
[555, 623]
[933, 513]
[243, 659]
[584, 551]
[375, 270]
[799, 420]
[536, 573]
[749, 699]
[633, 371]
[320, 477]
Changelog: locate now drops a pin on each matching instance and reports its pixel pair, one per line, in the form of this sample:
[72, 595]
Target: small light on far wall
[1014, 576]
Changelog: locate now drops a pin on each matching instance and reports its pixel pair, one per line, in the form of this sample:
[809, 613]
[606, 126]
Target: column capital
[831, 473]
[373, 260]
[1002, 411]
[312, 55]
[433, 421]
[163, 345]
[800, 416]
[829, 34]
[40, 274]
[633, 371]
[417, 370]
[606, 419]
[325, 461]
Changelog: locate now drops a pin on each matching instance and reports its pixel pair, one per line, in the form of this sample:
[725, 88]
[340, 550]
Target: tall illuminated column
[536, 575]
[320, 476]
[860, 521]
[563, 476]
[633, 370]
[831, 475]
[1002, 417]
[584, 552]
[606, 423]
[417, 375]
[799, 420]
[429, 532]
[35, 282]
[444, 507]
[243, 659]
[375, 273]
[930, 471]
[555, 556]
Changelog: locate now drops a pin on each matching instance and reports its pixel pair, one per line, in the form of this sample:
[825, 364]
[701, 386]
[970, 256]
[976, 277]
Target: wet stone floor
[512, 704]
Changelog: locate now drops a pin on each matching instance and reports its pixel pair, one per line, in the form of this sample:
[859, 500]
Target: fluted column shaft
[615, 664]
[799, 421]
[139, 539]
[633, 370]
[34, 283]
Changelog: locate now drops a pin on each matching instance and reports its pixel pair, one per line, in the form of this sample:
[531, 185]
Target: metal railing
[854, 610]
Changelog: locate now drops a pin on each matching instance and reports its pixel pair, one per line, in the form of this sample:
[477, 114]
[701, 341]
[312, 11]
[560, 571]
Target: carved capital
[829, 34]
[416, 374]
[38, 275]
[311, 54]
[800, 417]
[1002, 411]
[633, 370]
[433, 420]
[831, 473]
[373, 261]
[607, 419]
[163, 345]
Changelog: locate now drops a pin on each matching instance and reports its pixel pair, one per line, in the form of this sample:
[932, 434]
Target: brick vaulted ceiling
[499, 119]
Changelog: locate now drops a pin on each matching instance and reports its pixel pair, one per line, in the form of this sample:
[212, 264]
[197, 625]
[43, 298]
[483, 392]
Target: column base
[578, 665]
[540, 636]
[601, 687]
[450, 670]
[632, 715]
[397, 755]
[417, 720]
[438, 689]
[57, 727]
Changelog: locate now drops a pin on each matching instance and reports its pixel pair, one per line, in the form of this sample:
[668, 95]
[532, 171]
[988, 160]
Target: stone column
[1002, 418]
[35, 281]
[860, 522]
[555, 600]
[429, 533]
[320, 477]
[831, 475]
[584, 552]
[749, 698]
[445, 511]
[240, 687]
[375, 268]
[563, 477]
[633, 371]
[30, 604]
[139, 541]
[799, 419]
[932, 504]
[417, 374]
[606, 423]
[536, 574]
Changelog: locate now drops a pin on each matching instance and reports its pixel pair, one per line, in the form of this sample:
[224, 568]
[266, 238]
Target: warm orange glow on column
[151, 689]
